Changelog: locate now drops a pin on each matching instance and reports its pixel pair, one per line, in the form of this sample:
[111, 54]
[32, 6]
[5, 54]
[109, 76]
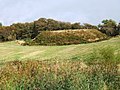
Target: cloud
[91, 11]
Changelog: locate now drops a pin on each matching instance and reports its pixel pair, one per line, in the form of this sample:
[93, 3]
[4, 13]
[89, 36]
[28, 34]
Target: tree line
[30, 30]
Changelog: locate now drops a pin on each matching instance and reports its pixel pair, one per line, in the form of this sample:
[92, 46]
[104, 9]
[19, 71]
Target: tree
[0, 24]
[109, 27]
[41, 24]
[53, 24]
[76, 26]
[25, 30]
[119, 27]
[89, 26]
[6, 33]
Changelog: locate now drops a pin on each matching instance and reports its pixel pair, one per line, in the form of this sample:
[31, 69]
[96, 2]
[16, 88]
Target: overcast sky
[91, 11]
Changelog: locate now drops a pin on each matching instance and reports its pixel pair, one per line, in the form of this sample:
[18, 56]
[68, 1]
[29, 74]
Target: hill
[68, 37]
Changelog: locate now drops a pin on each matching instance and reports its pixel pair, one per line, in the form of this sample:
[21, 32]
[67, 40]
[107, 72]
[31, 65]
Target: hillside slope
[10, 51]
[68, 37]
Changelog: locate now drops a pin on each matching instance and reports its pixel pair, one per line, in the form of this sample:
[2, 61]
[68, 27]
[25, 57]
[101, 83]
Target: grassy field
[10, 51]
[38, 69]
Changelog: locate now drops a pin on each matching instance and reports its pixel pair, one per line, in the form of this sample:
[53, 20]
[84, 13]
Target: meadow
[92, 66]
[10, 51]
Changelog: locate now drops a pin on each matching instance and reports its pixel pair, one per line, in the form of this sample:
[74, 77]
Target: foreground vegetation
[93, 66]
[100, 74]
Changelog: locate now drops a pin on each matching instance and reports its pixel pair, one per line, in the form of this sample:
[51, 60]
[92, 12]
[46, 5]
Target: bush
[68, 37]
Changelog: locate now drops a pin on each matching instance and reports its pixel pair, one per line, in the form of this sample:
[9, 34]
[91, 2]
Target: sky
[83, 11]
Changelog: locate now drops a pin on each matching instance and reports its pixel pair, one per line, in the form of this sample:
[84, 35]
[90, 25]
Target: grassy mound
[68, 37]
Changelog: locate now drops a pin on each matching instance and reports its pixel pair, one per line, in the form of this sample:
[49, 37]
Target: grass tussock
[59, 75]
[103, 54]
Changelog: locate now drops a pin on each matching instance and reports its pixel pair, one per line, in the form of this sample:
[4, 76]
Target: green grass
[61, 75]
[68, 72]
[10, 51]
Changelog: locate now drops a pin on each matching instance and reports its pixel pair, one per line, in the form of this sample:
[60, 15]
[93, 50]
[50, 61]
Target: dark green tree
[25, 30]
[89, 26]
[119, 28]
[0, 24]
[76, 26]
[108, 27]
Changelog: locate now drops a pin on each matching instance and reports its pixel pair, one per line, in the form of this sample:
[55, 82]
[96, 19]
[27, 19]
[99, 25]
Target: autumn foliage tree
[25, 30]
[7, 33]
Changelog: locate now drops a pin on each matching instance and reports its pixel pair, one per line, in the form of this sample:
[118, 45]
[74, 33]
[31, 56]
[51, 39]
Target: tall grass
[100, 71]
[103, 54]
[67, 75]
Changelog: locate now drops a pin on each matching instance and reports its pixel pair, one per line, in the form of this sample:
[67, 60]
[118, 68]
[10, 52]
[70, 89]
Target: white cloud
[91, 11]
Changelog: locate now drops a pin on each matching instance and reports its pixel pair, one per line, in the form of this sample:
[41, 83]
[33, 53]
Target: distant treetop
[0, 24]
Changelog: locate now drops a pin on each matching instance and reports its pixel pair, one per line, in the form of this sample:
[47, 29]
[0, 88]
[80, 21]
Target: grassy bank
[68, 37]
[10, 51]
